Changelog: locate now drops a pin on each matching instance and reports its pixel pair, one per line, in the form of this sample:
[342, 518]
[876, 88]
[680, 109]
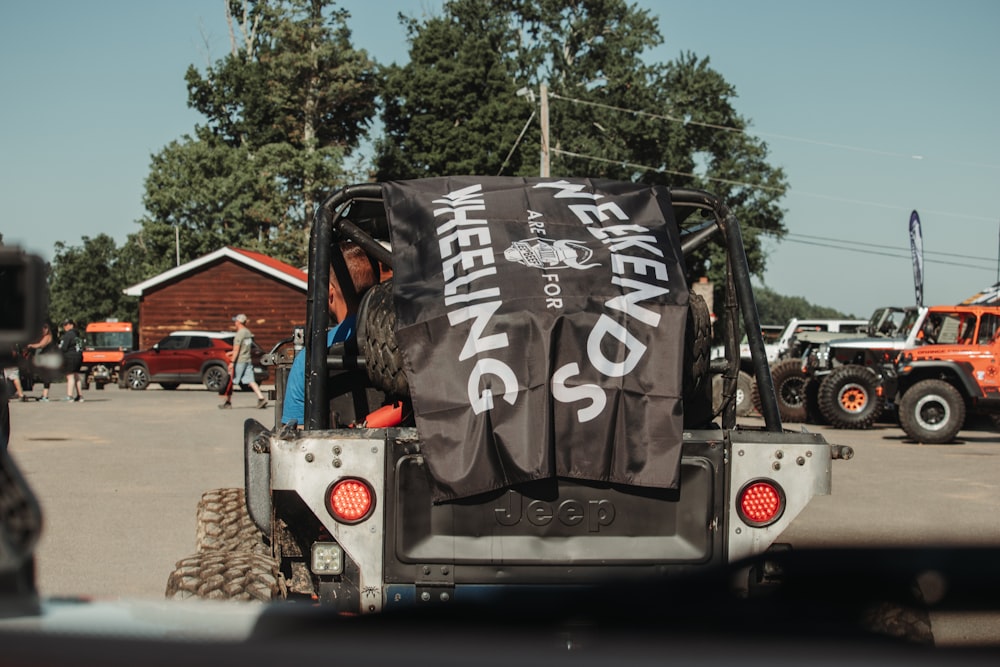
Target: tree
[773, 308]
[453, 108]
[285, 109]
[450, 109]
[86, 283]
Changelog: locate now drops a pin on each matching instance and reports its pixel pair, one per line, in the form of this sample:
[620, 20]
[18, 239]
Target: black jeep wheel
[790, 388]
[223, 523]
[697, 385]
[384, 362]
[849, 397]
[932, 412]
[215, 378]
[136, 377]
[225, 575]
[747, 396]
[744, 394]
[376, 335]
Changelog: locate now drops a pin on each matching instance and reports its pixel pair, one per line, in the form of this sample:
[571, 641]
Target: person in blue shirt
[342, 313]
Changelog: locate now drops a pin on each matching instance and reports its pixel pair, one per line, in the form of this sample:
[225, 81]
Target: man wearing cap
[72, 350]
[241, 363]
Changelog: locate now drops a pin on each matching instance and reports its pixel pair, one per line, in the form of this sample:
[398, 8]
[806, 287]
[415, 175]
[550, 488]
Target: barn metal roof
[255, 260]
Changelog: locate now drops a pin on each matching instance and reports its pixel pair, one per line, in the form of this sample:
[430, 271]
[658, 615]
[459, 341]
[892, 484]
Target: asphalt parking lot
[119, 476]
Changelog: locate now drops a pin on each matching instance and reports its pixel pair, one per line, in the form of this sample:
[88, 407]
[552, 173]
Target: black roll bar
[329, 225]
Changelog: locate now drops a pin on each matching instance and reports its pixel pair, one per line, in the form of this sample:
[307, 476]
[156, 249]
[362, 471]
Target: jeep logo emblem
[594, 514]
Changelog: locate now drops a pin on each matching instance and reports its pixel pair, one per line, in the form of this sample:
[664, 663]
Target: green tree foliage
[284, 110]
[454, 109]
[86, 283]
[451, 109]
[773, 308]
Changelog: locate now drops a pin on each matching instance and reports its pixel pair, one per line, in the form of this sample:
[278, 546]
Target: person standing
[44, 345]
[71, 346]
[13, 374]
[241, 362]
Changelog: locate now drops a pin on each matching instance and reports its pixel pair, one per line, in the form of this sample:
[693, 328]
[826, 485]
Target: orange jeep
[107, 343]
[935, 385]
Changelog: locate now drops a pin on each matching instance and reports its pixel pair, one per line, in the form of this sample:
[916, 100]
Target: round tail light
[760, 503]
[350, 500]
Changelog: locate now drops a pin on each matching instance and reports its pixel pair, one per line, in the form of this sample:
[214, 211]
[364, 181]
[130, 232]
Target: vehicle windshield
[888, 321]
[111, 340]
[909, 319]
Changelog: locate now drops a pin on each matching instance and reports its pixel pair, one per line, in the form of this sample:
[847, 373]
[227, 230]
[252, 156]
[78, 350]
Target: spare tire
[384, 361]
[697, 385]
[377, 340]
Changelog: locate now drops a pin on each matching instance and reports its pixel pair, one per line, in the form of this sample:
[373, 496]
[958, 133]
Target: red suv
[185, 357]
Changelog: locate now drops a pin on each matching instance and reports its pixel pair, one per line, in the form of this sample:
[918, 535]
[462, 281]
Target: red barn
[207, 292]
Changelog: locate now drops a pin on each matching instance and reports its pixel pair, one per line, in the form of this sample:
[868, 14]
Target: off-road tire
[376, 333]
[223, 524]
[747, 397]
[849, 397]
[215, 378]
[696, 385]
[809, 393]
[790, 387]
[136, 377]
[932, 412]
[226, 575]
[384, 361]
[744, 394]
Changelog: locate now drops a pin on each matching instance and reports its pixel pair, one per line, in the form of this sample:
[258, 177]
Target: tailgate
[564, 523]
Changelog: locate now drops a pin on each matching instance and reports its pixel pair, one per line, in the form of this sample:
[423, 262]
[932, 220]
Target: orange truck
[937, 384]
[107, 343]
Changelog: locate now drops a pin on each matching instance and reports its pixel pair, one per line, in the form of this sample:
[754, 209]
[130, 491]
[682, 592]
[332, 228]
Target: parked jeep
[843, 376]
[526, 407]
[846, 376]
[936, 385]
[799, 337]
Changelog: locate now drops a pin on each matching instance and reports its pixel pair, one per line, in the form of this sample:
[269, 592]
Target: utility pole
[543, 119]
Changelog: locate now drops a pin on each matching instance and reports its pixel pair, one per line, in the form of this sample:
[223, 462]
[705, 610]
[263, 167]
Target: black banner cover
[541, 323]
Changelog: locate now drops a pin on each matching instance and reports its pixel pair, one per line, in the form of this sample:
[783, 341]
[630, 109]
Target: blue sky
[873, 108]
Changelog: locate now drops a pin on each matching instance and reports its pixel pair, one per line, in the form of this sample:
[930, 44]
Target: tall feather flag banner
[917, 252]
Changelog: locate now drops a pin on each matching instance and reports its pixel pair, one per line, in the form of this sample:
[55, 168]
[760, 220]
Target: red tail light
[760, 503]
[350, 500]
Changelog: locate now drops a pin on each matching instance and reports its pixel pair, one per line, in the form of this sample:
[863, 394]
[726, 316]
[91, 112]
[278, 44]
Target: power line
[791, 237]
[517, 142]
[899, 249]
[784, 137]
[861, 250]
[891, 207]
[789, 191]
[663, 170]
